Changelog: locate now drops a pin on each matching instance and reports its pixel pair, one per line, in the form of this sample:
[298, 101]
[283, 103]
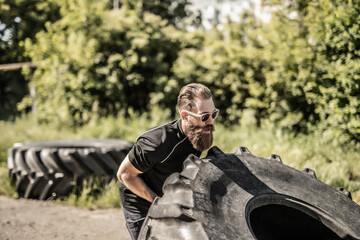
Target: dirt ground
[37, 220]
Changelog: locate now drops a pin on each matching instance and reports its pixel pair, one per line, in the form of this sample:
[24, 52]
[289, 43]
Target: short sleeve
[144, 154]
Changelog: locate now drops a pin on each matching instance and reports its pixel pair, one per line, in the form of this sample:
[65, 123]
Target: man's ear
[183, 116]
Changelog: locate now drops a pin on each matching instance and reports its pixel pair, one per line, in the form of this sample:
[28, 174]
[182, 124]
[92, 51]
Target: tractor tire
[241, 196]
[50, 169]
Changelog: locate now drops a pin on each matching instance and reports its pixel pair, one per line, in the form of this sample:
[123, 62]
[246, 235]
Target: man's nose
[210, 121]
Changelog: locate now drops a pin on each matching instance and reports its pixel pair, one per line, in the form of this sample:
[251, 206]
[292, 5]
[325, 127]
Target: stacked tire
[241, 196]
[43, 170]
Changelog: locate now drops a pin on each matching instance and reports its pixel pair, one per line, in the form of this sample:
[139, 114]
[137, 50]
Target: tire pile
[50, 169]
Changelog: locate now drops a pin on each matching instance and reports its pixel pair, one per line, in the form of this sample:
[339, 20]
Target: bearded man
[161, 151]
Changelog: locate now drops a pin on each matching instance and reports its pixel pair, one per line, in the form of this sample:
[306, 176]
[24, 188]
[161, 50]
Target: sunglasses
[204, 117]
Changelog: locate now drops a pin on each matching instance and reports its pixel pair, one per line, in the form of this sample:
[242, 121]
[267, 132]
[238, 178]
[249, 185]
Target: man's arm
[129, 176]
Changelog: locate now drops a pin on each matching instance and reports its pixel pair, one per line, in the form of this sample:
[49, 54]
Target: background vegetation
[289, 86]
[338, 167]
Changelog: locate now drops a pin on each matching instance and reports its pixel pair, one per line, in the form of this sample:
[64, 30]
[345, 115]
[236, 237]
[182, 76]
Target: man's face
[200, 133]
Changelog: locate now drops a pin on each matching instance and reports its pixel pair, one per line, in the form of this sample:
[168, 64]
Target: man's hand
[129, 176]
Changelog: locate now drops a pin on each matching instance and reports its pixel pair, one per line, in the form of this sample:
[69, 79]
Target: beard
[199, 139]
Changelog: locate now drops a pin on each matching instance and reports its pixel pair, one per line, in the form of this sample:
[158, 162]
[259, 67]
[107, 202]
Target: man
[161, 151]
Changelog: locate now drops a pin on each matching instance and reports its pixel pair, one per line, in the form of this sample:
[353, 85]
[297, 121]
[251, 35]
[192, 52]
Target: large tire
[241, 196]
[43, 170]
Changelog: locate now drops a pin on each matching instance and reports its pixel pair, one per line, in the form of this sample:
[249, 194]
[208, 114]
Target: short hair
[189, 92]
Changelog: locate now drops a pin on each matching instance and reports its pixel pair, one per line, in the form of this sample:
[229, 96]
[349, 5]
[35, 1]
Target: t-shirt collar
[180, 130]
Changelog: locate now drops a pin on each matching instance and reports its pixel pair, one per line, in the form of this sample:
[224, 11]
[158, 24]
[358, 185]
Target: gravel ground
[37, 220]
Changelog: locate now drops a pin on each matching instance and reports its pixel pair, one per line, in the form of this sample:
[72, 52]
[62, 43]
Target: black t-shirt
[157, 153]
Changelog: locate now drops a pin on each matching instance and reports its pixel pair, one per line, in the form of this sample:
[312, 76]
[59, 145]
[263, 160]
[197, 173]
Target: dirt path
[37, 220]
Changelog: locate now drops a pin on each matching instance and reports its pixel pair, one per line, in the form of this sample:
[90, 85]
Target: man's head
[197, 110]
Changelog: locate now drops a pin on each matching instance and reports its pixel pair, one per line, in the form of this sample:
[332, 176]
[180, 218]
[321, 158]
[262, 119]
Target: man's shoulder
[161, 134]
[160, 141]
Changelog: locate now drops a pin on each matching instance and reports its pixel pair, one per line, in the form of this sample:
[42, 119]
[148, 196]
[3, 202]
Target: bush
[299, 72]
[97, 62]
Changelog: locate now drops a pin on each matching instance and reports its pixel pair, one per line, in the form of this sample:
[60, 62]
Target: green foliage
[95, 197]
[334, 28]
[317, 61]
[6, 188]
[19, 20]
[230, 64]
[299, 72]
[13, 87]
[172, 11]
[99, 62]
[251, 71]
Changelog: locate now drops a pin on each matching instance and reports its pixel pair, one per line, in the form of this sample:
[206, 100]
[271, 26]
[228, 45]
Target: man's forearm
[138, 186]
[129, 176]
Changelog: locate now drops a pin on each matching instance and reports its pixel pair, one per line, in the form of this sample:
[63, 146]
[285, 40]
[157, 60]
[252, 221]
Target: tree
[19, 20]
[314, 49]
[299, 72]
[335, 87]
[229, 62]
[98, 62]
[172, 11]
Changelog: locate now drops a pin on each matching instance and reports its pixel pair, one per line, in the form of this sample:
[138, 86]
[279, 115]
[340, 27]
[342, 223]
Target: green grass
[95, 197]
[6, 188]
[338, 166]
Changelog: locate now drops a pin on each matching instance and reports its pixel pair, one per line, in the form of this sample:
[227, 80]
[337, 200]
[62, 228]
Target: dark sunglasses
[204, 117]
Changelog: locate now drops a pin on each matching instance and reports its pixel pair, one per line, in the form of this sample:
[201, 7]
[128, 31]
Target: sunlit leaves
[97, 62]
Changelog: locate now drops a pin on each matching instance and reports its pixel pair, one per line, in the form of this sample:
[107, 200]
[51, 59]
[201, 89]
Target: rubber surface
[241, 196]
[41, 170]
